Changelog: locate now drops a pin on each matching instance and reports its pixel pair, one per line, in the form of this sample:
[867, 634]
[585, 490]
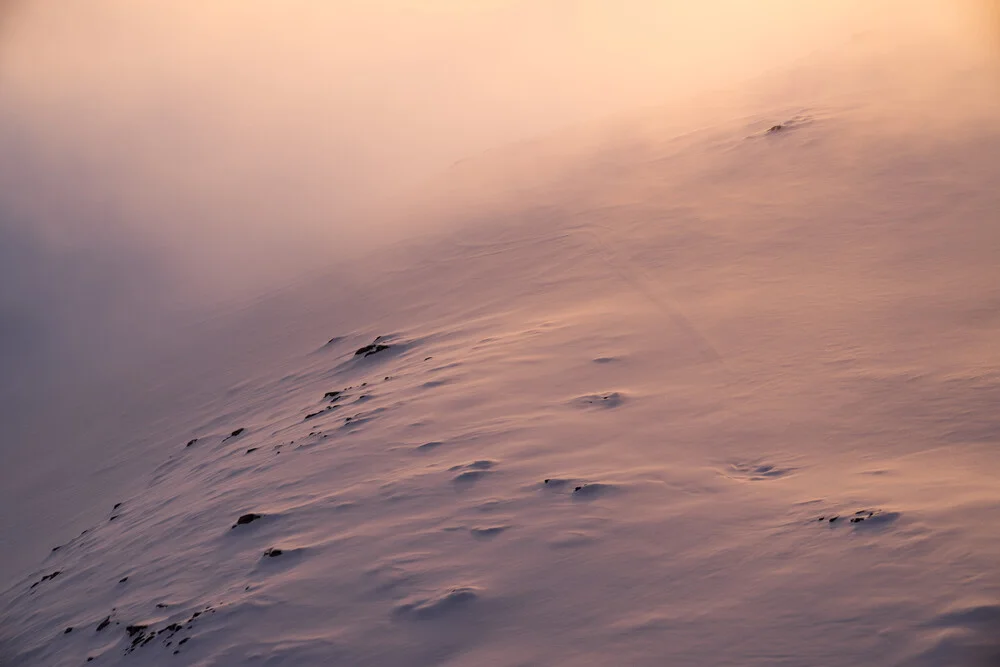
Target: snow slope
[718, 395]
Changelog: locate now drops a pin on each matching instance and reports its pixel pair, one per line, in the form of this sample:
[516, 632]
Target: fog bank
[161, 158]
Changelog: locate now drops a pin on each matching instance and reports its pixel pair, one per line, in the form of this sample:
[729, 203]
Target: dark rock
[271, 553]
[123, 580]
[593, 490]
[176, 652]
[90, 658]
[610, 400]
[247, 518]
[547, 481]
[775, 128]
[117, 505]
[113, 517]
[332, 395]
[236, 432]
[864, 515]
[103, 624]
[47, 577]
[161, 605]
[191, 442]
[369, 350]
[133, 630]
[252, 449]
[183, 641]
[833, 518]
[67, 631]
[56, 548]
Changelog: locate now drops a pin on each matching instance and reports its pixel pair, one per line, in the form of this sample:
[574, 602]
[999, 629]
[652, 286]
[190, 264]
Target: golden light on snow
[413, 332]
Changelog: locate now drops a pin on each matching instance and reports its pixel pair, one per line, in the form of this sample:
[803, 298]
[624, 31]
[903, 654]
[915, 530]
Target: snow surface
[613, 424]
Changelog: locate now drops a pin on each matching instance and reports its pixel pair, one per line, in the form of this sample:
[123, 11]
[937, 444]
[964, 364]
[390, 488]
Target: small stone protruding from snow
[247, 518]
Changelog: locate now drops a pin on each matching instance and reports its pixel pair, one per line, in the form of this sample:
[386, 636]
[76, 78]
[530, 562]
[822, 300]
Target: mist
[162, 159]
[587, 259]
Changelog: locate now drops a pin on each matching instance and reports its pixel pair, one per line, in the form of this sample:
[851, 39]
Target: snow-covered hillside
[681, 392]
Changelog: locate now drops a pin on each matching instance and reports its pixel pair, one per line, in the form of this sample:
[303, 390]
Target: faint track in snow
[641, 284]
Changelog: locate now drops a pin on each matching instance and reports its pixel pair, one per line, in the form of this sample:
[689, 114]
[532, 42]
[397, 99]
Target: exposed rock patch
[372, 348]
[47, 577]
[249, 517]
[868, 517]
[609, 400]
